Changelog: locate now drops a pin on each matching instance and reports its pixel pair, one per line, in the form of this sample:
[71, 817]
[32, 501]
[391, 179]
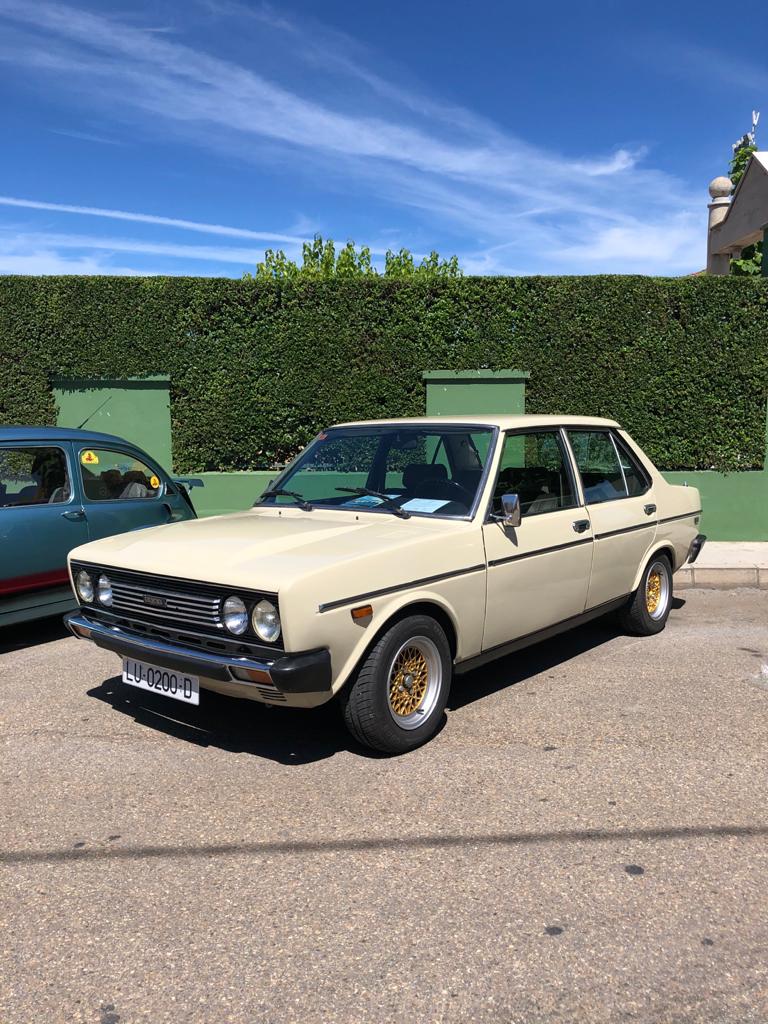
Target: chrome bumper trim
[189, 659]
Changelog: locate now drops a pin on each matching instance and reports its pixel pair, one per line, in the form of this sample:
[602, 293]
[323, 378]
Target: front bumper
[305, 672]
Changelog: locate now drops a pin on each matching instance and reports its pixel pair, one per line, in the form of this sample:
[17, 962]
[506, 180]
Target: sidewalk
[724, 565]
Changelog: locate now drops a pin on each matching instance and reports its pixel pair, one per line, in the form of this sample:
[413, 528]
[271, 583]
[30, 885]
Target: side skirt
[541, 634]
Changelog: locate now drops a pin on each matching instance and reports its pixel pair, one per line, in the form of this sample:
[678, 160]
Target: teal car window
[116, 476]
[34, 476]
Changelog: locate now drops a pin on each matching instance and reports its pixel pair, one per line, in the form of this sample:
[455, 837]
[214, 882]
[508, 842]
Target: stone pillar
[720, 191]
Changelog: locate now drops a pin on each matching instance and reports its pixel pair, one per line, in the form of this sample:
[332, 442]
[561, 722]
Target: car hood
[263, 548]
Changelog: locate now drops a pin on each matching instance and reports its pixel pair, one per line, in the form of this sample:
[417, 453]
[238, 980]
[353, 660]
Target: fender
[384, 614]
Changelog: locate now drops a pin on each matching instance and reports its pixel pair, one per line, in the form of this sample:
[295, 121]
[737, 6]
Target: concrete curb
[721, 578]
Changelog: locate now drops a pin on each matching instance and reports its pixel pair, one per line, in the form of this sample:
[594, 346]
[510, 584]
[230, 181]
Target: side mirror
[511, 514]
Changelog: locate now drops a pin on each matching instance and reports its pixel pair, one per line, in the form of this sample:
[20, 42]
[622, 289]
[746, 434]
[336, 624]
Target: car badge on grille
[155, 601]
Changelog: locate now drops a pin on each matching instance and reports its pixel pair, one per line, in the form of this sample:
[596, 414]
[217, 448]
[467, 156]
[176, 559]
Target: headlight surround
[84, 587]
[265, 620]
[235, 615]
[104, 590]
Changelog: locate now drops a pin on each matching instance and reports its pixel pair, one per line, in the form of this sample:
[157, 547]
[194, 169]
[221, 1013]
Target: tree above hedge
[321, 260]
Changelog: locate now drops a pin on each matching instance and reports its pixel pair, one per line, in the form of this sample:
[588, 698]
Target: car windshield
[388, 469]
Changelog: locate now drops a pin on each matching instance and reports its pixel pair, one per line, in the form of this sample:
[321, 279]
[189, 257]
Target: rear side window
[34, 476]
[116, 476]
[636, 478]
[607, 469]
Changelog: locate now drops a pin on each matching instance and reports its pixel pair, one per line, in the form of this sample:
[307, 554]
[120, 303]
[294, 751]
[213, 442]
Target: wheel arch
[662, 547]
[421, 605]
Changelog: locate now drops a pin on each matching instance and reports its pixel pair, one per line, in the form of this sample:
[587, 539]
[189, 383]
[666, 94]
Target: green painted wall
[137, 409]
[735, 505]
[228, 492]
[456, 392]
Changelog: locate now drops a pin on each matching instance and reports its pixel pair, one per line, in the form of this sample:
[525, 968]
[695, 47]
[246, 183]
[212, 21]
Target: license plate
[165, 681]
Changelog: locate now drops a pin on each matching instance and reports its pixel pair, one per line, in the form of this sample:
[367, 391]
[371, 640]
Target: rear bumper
[695, 549]
[305, 672]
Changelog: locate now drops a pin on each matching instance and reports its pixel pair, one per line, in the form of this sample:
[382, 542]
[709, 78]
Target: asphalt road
[586, 840]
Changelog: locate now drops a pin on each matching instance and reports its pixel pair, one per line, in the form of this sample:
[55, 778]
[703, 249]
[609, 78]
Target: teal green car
[60, 488]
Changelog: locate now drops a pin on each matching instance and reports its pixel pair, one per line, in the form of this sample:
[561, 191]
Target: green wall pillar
[456, 392]
[137, 408]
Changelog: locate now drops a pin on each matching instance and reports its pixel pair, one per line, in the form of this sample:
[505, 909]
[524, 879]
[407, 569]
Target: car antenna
[97, 409]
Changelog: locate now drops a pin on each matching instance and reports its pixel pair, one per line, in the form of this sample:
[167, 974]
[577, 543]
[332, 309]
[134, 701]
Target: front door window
[116, 476]
[533, 467]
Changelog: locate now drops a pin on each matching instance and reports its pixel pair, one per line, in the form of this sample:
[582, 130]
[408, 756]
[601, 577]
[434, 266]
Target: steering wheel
[468, 496]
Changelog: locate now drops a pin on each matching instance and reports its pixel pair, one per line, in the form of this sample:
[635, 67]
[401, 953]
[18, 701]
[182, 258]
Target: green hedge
[258, 367]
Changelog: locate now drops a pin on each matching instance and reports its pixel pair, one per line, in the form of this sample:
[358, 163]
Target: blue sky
[186, 137]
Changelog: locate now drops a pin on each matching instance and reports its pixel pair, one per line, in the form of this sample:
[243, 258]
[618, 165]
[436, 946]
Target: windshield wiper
[389, 503]
[278, 492]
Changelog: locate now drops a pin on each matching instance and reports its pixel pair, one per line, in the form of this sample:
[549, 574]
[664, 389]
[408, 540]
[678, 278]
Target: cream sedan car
[388, 557]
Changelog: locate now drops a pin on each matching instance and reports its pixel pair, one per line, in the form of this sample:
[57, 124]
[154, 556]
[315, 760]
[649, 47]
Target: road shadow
[532, 661]
[285, 735]
[293, 847]
[297, 736]
[31, 634]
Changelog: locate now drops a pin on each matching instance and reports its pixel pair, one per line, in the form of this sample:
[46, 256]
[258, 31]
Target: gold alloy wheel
[408, 681]
[653, 591]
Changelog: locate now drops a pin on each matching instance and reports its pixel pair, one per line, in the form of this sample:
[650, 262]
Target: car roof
[58, 434]
[500, 421]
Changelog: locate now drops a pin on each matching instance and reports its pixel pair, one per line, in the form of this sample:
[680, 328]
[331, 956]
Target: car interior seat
[134, 490]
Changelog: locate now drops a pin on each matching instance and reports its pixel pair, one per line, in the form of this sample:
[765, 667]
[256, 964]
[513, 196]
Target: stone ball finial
[720, 187]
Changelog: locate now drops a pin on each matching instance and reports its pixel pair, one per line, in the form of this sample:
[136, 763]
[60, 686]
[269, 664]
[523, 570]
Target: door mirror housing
[511, 514]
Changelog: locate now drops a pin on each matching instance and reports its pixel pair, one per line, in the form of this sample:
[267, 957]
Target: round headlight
[104, 590]
[266, 621]
[84, 585]
[235, 615]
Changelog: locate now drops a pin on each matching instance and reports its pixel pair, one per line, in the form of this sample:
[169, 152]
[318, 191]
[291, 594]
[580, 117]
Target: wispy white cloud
[16, 257]
[151, 218]
[517, 201]
[85, 136]
[56, 241]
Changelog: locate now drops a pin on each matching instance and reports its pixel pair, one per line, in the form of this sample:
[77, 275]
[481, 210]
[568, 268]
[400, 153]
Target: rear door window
[34, 476]
[117, 476]
[602, 475]
[635, 477]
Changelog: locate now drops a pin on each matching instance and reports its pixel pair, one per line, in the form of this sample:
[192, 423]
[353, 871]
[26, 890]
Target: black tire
[648, 609]
[395, 719]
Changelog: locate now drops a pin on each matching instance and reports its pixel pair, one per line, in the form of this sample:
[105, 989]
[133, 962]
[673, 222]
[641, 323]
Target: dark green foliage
[258, 367]
[750, 262]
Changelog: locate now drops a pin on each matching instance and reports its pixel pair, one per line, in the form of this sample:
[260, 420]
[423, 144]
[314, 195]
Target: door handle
[580, 525]
[74, 514]
[173, 516]
[649, 509]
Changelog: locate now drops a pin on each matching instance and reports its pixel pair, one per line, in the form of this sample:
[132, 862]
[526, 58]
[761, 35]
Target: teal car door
[123, 490]
[41, 517]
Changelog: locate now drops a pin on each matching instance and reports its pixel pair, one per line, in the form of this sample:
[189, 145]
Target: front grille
[180, 611]
[195, 609]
